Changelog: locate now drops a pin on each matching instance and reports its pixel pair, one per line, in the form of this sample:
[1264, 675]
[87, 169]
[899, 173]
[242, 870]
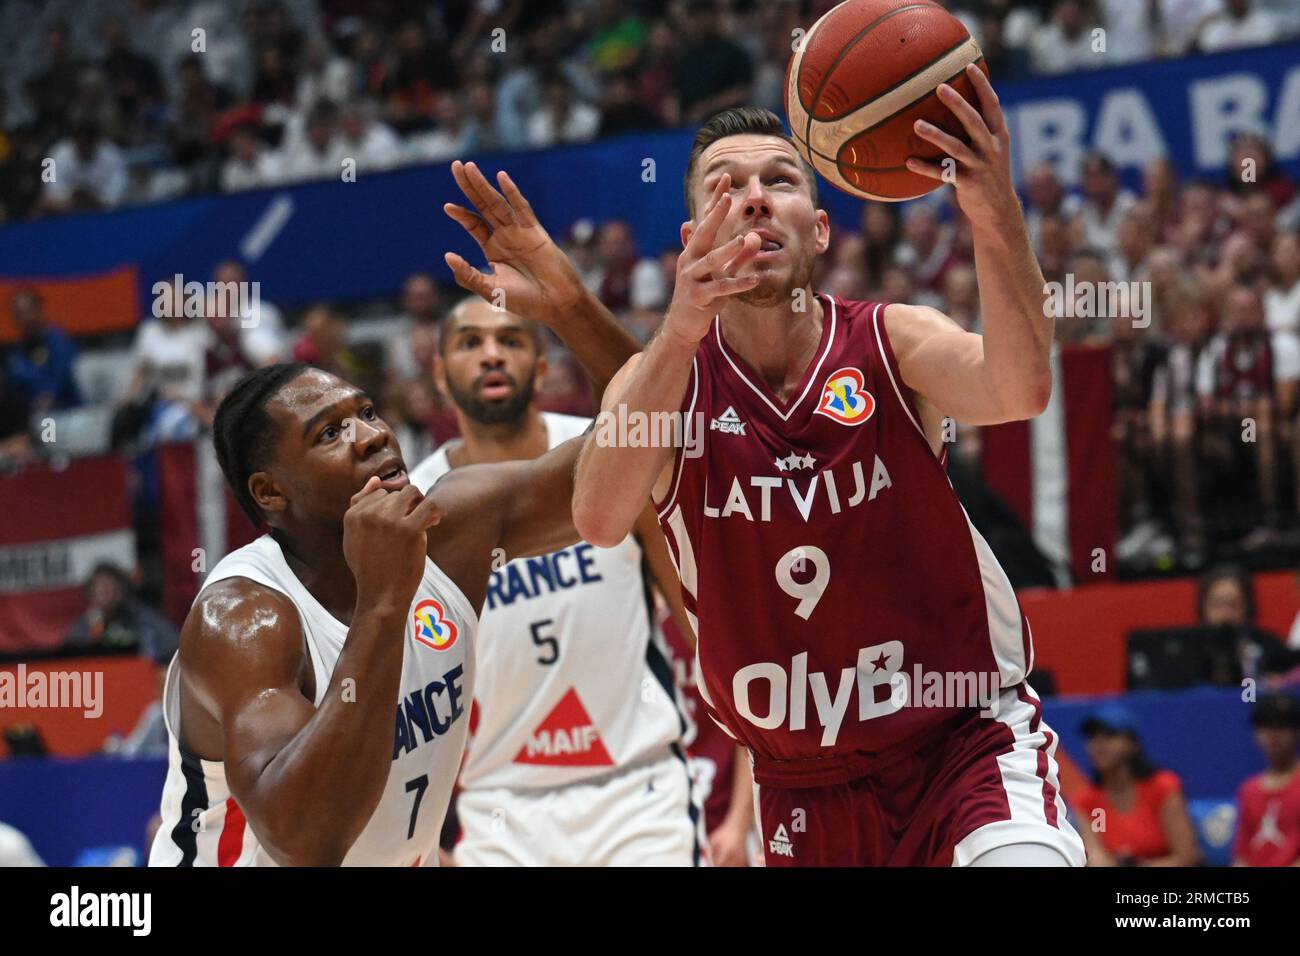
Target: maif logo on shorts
[845, 397]
[432, 626]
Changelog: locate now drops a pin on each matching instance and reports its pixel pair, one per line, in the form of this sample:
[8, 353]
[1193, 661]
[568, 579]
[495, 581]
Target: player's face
[489, 364]
[331, 441]
[771, 195]
[1276, 743]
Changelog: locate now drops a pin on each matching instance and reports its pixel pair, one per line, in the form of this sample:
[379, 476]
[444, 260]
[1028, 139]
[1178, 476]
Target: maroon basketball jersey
[831, 572]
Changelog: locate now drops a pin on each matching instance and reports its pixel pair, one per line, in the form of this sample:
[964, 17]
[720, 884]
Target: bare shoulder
[237, 610]
[910, 325]
[239, 632]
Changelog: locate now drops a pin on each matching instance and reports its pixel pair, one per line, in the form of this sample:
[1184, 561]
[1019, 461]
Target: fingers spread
[490, 203]
[715, 260]
[729, 285]
[523, 209]
[470, 221]
[731, 257]
[924, 168]
[949, 144]
[970, 118]
[467, 277]
[990, 106]
[707, 234]
[748, 249]
[720, 187]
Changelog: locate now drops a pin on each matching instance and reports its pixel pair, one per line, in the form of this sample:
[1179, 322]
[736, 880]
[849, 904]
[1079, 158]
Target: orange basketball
[859, 80]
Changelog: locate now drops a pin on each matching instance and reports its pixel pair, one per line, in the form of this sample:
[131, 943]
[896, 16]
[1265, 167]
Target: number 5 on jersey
[809, 592]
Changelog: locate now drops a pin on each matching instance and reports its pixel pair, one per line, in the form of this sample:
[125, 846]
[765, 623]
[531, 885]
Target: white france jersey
[202, 825]
[573, 682]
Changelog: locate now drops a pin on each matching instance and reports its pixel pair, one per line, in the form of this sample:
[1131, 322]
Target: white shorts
[643, 815]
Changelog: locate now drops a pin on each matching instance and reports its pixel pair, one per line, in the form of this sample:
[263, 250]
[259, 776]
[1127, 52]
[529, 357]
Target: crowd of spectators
[1205, 367]
[1132, 812]
[159, 98]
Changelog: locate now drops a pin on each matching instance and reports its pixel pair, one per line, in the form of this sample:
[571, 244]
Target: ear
[540, 369]
[266, 494]
[823, 231]
[440, 376]
[688, 230]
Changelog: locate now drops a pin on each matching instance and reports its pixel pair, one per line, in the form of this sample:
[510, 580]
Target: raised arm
[531, 276]
[1005, 374]
[615, 479]
[307, 778]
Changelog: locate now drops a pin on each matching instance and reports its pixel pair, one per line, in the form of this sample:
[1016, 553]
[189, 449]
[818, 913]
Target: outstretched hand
[530, 275]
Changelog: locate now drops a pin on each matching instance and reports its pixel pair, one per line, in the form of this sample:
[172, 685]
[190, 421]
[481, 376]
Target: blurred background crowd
[135, 108]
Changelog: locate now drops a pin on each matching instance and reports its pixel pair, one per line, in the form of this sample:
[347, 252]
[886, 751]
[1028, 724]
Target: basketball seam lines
[904, 80]
[844, 51]
[880, 169]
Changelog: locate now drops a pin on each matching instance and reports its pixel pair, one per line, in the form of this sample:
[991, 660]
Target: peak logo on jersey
[728, 423]
[432, 626]
[566, 738]
[780, 844]
[845, 397]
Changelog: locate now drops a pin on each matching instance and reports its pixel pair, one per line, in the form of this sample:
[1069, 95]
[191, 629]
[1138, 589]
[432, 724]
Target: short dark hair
[739, 121]
[242, 432]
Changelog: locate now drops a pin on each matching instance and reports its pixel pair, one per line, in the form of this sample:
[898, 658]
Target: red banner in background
[200, 521]
[56, 524]
[123, 688]
[1057, 471]
[81, 305]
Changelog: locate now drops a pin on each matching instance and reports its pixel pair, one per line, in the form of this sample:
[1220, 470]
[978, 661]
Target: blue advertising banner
[344, 241]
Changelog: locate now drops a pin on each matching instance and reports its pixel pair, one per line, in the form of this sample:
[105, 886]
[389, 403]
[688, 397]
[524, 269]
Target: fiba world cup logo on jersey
[845, 398]
[432, 627]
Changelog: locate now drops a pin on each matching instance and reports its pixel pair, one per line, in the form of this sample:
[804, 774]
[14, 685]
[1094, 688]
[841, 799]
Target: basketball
[858, 81]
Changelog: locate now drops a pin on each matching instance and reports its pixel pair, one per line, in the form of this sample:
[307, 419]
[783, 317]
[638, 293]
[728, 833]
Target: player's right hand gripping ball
[861, 78]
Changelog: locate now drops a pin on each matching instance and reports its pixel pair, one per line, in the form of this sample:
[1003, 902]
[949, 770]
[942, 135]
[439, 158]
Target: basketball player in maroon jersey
[846, 609]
